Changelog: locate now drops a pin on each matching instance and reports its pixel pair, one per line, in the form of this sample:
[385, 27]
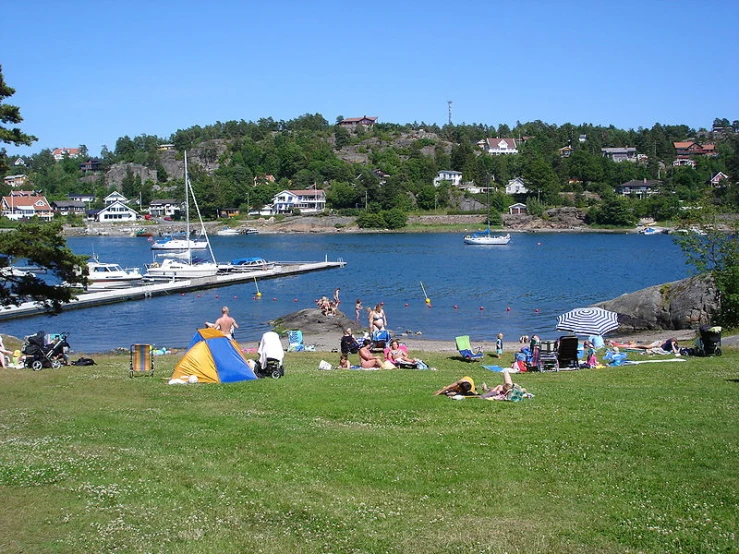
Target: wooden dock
[149, 290]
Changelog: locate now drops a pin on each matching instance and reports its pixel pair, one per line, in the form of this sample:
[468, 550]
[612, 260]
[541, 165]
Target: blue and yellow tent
[213, 358]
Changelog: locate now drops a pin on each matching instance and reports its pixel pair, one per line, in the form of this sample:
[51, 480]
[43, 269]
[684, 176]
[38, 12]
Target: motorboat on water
[485, 238]
[103, 275]
[177, 243]
[181, 264]
[228, 232]
[652, 231]
[246, 264]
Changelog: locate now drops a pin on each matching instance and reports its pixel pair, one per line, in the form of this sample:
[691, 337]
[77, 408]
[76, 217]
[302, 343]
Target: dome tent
[213, 358]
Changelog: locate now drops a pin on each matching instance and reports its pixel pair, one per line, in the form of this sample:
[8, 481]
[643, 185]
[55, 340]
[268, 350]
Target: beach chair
[380, 339]
[295, 341]
[142, 362]
[401, 365]
[466, 351]
[567, 352]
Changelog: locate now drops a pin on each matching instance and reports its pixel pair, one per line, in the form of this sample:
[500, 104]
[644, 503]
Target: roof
[307, 192]
[358, 119]
[37, 202]
[683, 144]
[495, 142]
[641, 183]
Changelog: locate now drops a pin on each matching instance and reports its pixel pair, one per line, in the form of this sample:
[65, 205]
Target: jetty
[161, 288]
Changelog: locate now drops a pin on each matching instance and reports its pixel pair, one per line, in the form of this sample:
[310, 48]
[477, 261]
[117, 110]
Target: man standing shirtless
[225, 324]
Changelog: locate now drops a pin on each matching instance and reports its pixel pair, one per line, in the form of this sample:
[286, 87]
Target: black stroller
[710, 341]
[40, 354]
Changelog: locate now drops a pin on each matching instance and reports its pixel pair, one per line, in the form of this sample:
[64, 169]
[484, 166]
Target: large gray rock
[685, 304]
[312, 322]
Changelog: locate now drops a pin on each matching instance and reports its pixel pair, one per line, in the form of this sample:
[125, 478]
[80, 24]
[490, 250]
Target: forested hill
[240, 163]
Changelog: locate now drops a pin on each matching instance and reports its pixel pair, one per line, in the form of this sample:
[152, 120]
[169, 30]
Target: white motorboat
[175, 243]
[228, 232]
[103, 275]
[247, 264]
[652, 231]
[182, 265]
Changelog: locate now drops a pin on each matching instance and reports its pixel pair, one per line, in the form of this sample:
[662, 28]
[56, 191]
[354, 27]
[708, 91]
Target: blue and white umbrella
[588, 321]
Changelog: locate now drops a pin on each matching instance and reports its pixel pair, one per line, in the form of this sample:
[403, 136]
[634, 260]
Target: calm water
[537, 276]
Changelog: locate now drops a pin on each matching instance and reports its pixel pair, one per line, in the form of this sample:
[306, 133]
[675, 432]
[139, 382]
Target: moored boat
[175, 243]
[486, 238]
[246, 264]
[652, 231]
[228, 232]
[103, 275]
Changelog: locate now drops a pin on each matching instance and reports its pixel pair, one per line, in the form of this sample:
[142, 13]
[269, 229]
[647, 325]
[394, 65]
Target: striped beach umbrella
[588, 321]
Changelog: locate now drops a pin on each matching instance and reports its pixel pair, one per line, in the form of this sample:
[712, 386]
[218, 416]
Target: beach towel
[497, 368]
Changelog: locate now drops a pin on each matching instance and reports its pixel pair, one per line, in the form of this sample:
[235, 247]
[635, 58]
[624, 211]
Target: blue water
[537, 276]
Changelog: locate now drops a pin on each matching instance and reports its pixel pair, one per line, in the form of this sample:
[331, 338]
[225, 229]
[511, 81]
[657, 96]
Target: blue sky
[90, 72]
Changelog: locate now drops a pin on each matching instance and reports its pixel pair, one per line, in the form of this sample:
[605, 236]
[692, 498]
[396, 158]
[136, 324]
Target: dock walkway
[101, 297]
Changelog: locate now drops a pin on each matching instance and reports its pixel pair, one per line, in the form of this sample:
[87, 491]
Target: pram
[41, 352]
[710, 340]
[271, 357]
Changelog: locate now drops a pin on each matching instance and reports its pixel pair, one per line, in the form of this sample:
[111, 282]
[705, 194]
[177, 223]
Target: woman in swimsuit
[376, 318]
[397, 355]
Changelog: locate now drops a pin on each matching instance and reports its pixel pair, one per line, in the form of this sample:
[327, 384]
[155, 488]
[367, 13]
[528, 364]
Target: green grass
[623, 459]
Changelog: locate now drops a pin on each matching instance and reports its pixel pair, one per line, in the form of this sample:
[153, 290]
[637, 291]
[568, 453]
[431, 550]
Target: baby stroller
[271, 356]
[40, 353]
[710, 340]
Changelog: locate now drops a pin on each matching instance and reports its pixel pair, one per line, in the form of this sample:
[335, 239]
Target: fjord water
[537, 275]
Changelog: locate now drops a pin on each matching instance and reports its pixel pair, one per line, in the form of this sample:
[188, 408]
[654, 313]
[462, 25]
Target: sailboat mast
[187, 212]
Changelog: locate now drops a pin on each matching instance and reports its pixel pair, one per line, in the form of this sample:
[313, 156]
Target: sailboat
[486, 237]
[182, 265]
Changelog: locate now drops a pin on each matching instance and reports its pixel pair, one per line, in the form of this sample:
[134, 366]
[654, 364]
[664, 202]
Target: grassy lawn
[626, 459]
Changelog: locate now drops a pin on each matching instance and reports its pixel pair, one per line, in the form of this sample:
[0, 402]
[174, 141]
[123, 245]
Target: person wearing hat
[465, 386]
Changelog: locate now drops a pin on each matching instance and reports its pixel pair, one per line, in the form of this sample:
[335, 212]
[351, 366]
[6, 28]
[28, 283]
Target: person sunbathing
[465, 387]
[366, 359]
[670, 345]
[397, 355]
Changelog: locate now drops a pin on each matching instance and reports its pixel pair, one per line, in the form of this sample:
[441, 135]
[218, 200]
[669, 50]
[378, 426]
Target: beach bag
[388, 365]
[323, 364]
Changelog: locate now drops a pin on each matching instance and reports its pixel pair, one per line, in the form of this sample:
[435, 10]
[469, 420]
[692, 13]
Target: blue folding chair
[465, 349]
[295, 341]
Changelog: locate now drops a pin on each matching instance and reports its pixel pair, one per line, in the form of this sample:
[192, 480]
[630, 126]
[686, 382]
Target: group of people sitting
[395, 354]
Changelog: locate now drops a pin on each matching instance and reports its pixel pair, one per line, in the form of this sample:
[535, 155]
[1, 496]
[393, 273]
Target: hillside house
[498, 146]
[264, 179]
[165, 207]
[15, 180]
[307, 201]
[26, 206]
[639, 189]
[114, 196]
[716, 179]
[93, 164]
[353, 122]
[116, 212]
[516, 186]
[565, 152]
[692, 148]
[81, 197]
[683, 161]
[453, 177]
[67, 207]
[518, 209]
[620, 154]
[60, 153]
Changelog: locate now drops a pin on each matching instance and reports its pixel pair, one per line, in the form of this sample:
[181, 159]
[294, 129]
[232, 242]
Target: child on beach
[358, 308]
[499, 345]
[344, 362]
[590, 359]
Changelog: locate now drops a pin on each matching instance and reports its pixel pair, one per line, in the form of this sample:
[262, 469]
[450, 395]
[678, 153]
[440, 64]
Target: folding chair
[380, 339]
[295, 341]
[142, 362]
[465, 349]
[567, 352]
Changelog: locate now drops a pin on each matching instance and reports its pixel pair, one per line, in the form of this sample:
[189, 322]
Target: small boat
[144, 233]
[246, 264]
[103, 275]
[652, 231]
[228, 232]
[174, 243]
[486, 238]
[249, 231]
[172, 268]
[11, 271]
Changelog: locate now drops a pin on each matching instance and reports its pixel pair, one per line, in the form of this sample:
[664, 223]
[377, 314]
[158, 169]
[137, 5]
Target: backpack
[84, 361]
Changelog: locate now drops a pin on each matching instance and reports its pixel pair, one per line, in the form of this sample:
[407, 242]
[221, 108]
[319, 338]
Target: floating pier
[160, 288]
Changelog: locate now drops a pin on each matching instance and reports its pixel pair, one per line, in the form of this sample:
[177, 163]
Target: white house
[517, 209]
[15, 180]
[625, 154]
[498, 146]
[115, 196]
[59, 153]
[159, 208]
[25, 206]
[307, 201]
[454, 177]
[116, 212]
[716, 179]
[516, 186]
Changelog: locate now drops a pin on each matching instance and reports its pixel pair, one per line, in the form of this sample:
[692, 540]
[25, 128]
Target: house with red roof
[353, 122]
[59, 153]
[498, 146]
[26, 206]
[692, 148]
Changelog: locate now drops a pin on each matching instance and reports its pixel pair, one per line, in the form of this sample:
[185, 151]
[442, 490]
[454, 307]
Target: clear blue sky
[90, 72]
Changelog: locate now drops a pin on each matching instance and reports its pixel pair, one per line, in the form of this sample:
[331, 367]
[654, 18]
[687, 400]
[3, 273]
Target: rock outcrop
[312, 322]
[685, 304]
